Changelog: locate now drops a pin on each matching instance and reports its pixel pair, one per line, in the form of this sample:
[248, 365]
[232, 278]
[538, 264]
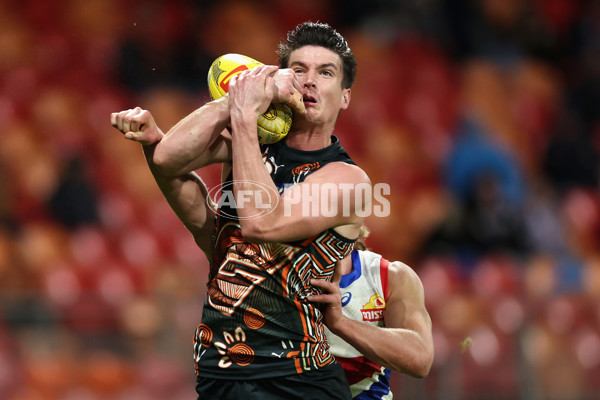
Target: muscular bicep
[219, 151]
[405, 307]
[188, 197]
[185, 150]
[334, 197]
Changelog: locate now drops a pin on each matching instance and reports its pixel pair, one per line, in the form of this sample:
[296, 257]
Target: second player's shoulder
[369, 258]
[400, 268]
[403, 278]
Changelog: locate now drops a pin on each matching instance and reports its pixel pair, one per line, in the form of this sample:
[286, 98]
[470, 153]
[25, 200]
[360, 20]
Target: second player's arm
[202, 138]
[405, 344]
[186, 194]
[199, 139]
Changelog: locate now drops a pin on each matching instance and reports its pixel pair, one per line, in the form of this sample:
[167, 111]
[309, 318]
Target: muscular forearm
[195, 141]
[253, 186]
[401, 350]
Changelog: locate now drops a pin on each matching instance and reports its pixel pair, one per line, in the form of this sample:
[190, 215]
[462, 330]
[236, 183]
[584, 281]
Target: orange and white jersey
[364, 296]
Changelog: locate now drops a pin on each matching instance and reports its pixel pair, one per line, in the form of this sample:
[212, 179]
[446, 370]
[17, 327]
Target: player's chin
[309, 117]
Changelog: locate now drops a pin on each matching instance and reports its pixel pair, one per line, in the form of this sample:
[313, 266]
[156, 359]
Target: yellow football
[274, 124]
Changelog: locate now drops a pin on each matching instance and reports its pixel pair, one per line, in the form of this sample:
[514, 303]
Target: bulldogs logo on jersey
[373, 310]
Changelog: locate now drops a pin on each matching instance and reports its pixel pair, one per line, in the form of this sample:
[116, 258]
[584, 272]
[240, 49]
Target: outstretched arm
[199, 139]
[186, 193]
[202, 138]
[405, 344]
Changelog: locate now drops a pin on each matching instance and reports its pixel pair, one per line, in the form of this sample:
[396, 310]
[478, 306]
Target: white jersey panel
[364, 294]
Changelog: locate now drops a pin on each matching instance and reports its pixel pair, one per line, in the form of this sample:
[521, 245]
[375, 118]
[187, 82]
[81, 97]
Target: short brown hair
[319, 34]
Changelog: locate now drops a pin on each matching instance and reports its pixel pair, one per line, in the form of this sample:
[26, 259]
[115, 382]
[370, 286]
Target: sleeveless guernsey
[256, 321]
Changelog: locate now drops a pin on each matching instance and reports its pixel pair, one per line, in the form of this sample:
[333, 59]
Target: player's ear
[346, 95]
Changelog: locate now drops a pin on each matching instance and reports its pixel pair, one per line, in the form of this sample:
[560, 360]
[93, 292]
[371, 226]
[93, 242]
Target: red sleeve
[383, 271]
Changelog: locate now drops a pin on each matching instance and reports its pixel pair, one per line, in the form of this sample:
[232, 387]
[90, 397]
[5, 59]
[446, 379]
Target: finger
[289, 74]
[269, 85]
[321, 298]
[297, 84]
[264, 70]
[129, 120]
[134, 136]
[257, 70]
[233, 80]
[125, 120]
[323, 284]
[271, 70]
[137, 122]
[121, 120]
[117, 119]
[113, 120]
[254, 71]
[297, 103]
[126, 127]
[139, 113]
[249, 72]
[317, 282]
[134, 125]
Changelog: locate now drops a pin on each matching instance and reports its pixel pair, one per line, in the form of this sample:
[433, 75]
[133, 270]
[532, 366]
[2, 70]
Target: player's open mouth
[309, 100]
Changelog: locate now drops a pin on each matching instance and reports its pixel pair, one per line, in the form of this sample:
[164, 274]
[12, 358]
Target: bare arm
[332, 189]
[201, 138]
[197, 140]
[405, 344]
[187, 193]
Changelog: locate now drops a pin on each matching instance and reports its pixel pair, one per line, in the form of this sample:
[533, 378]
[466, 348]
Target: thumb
[297, 104]
[131, 135]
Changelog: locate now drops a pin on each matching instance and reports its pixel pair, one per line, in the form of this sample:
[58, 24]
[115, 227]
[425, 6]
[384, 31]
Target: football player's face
[320, 73]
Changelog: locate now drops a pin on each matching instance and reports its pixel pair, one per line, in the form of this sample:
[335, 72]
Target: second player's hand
[331, 300]
[288, 90]
[251, 91]
[138, 125]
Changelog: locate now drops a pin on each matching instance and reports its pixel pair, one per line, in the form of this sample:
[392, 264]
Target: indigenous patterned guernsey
[256, 322]
[364, 295]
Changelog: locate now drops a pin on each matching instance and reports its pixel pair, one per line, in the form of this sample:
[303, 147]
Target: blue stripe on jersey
[347, 279]
[377, 389]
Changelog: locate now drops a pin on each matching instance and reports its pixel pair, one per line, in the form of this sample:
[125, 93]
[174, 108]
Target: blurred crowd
[482, 115]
